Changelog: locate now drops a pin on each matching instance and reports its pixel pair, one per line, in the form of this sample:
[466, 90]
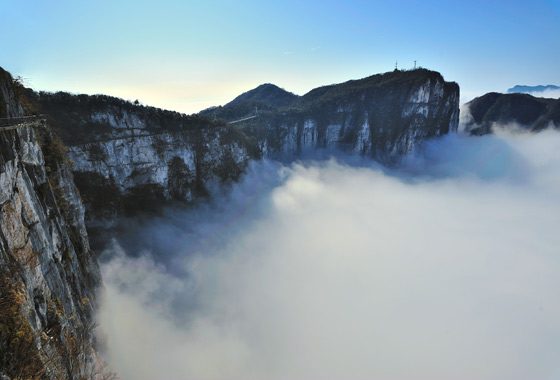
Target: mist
[444, 267]
[548, 93]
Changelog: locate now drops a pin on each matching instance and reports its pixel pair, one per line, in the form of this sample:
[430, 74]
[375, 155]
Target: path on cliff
[16, 122]
[240, 120]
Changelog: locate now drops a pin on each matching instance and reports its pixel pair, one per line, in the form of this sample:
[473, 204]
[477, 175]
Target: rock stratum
[49, 277]
[127, 156]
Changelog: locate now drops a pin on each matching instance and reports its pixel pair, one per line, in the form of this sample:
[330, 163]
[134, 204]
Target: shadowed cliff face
[49, 277]
[48, 274]
[127, 157]
[383, 116]
[9, 104]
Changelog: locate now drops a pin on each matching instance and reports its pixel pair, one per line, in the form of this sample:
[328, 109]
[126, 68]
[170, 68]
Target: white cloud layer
[445, 268]
[549, 93]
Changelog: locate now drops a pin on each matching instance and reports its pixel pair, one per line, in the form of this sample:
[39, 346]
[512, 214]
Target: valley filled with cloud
[443, 266]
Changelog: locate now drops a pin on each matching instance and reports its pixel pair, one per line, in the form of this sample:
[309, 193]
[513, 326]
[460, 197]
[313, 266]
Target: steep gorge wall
[138, 156]
[382, 120]
[121, 175]
[49, 277]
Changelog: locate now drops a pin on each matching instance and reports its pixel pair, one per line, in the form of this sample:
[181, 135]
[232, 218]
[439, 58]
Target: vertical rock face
[384, 116]
[125, 174]
[49, 277]
[127, 156]
[9, 103]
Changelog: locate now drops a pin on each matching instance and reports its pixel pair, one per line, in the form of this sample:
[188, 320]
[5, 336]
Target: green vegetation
[53, 149]
[72, 116]
[380, 96]
[266, 94]
[237, 111]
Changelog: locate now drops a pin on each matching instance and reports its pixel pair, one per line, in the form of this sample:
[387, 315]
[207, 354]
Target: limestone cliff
[127, 156]
[49, 277]
[383, 116]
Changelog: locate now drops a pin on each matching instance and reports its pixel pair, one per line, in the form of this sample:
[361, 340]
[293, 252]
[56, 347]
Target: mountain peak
[267, 93]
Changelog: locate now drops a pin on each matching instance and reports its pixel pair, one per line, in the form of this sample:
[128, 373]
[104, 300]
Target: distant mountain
[266, 97]
[526, 111]
[519, 89]
[266, 93]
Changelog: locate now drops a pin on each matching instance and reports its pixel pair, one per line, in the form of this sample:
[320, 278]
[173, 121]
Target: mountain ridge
[128, 156]
[524, 88]
[525, 111]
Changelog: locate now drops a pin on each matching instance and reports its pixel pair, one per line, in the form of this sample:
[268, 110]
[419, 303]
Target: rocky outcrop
[123, 175]
[49, 277]
[10, 105]
[128, 157]
[383, 116]
[511, 110]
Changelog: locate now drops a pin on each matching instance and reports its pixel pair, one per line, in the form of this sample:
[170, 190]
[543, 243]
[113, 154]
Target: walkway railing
[246, 118]
[13, 121]
[240, 120]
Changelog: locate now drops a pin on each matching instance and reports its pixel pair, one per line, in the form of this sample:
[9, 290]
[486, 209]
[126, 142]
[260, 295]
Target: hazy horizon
[188, 56]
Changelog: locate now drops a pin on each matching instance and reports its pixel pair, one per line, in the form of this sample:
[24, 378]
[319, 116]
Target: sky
[190, 55]
[445, 267]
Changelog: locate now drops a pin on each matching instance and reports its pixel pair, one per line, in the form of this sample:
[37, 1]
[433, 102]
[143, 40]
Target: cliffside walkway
[15, 122]
[246, 118]
[240, 120]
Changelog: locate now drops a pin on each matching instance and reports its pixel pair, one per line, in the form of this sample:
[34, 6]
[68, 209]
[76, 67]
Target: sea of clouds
[548, 93]
[443, 267]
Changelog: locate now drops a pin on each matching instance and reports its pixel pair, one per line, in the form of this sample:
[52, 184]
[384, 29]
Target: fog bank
[548, 93]
[443, 268]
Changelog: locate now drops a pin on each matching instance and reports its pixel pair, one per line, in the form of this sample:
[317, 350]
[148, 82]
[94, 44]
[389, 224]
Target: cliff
[127, 157]
[10, 106]
[49, 277]
[522, 110]
[383, 116]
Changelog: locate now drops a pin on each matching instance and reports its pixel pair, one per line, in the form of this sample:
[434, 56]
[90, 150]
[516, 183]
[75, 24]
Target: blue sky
[189, 55]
